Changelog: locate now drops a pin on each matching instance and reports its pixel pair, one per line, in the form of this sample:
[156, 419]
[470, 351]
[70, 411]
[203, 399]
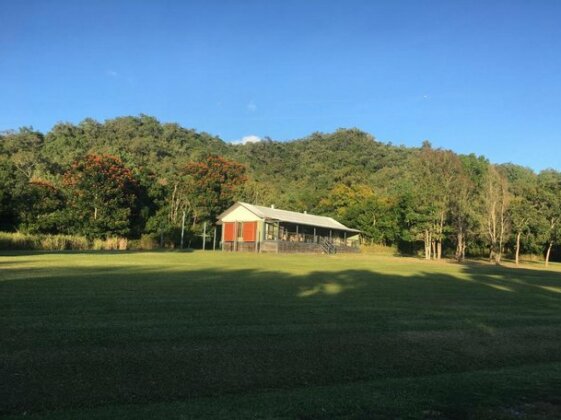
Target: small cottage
[246, 227]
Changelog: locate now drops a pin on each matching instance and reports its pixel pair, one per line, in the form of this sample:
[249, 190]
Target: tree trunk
[433, 247]
[427, 245]
[548, 254]
[459, 251]
[502, 232]
[499, 255]
[173, 204]
[440, 236]
[518, 248]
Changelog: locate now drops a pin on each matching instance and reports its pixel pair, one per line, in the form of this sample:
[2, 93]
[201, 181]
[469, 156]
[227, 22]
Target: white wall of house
[241, 214]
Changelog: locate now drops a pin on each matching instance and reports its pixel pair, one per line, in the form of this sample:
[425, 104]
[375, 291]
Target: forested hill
[298, 174]
[150, 172]
[139, 141]
[292, 174]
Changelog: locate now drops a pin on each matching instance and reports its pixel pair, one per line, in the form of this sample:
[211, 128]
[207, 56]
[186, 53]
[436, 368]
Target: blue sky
[472, 76]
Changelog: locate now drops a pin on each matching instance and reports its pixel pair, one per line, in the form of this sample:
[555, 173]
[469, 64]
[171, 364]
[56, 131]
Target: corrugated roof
[295, 217]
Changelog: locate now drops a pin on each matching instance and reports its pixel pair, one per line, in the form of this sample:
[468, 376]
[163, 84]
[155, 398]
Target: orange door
[229, 231]
[249, 231]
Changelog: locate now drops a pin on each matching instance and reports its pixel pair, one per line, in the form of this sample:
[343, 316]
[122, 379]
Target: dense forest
[134, 177]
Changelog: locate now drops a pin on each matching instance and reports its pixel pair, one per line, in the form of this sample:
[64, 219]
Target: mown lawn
[213, 335]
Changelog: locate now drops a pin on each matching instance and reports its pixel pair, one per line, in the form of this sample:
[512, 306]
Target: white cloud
[251, 107]
[248, 139]
[251, 139]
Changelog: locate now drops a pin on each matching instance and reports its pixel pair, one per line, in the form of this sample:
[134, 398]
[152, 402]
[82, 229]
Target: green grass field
[213, 335]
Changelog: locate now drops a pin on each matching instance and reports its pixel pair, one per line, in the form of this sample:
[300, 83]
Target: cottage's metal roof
[293, 217]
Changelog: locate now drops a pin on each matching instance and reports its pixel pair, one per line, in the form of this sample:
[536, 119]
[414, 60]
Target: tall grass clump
[110, 244]
[19, 241]
[64, 242]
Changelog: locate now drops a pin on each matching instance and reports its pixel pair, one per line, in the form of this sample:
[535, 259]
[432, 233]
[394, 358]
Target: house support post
[256, 237]
[263, 233]
[235, 236]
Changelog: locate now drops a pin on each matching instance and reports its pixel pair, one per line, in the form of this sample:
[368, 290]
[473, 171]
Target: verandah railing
[316, 239]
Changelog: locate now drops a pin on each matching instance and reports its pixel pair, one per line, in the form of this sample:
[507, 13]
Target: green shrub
[148, 241]
[532, 258]
[378, 249]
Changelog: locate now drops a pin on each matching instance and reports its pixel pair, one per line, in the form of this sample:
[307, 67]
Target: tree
[466, 203]
[206, 188]
[64, 144]
[522, 211]
[342, 197]
[549, 185]
[436, 175]
[42, 206]
[24, 149]
[361, 207]
[12, 183]
[102, 196]
[261, 193]
[461, 213]
[497, 199]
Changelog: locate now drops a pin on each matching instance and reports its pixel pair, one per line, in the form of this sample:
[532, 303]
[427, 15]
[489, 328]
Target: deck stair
[328, 247]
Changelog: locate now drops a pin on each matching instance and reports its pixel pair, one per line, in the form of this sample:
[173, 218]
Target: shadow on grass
[81, 337]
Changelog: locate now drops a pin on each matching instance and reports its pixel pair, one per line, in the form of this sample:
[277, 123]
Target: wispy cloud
[248, 139]
[251, 107]
[123, 77]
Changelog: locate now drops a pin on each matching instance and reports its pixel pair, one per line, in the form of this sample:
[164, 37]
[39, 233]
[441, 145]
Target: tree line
[134, 176]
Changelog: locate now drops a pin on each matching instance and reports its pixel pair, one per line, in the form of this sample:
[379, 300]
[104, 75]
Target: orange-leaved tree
[208, 187]
[102, 196]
